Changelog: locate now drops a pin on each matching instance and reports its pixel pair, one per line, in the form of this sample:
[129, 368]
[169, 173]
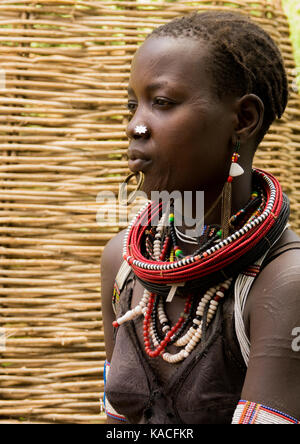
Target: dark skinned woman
[198, 329]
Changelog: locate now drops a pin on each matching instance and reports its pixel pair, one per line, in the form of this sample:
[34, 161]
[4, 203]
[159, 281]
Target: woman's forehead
[171, 60]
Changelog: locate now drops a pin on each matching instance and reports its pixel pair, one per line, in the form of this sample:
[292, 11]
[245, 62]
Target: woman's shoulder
[288, 237]
[112, 255]
[281, 258]
[278, 283]
[273, 316]
[275, 293]
[111, 261]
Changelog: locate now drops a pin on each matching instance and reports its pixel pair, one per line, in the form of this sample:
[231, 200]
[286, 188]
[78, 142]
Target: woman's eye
[157, 101]
[160, 101]
[131, 106]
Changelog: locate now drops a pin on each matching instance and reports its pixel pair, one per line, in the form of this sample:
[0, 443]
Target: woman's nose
[137, 129]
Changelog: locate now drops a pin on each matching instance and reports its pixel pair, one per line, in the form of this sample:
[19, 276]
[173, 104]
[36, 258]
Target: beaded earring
[234, 171]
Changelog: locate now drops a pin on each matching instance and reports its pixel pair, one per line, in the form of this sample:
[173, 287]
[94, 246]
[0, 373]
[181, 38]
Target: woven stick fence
[64, 71]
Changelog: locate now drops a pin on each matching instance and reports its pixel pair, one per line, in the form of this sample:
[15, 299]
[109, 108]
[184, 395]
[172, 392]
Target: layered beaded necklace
[162, 267]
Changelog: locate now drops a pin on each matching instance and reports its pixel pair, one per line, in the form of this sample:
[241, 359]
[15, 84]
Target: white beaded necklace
[191, 338]
[209, 302]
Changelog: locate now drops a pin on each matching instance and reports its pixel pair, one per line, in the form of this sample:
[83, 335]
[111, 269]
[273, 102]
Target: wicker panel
[62, 141]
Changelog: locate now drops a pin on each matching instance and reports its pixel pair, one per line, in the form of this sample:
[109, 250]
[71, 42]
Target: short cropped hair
[244, 58]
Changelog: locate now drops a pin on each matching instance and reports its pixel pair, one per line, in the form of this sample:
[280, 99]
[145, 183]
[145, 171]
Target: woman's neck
[211, 207]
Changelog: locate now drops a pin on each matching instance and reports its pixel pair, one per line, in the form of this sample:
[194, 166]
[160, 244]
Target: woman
[203, 91]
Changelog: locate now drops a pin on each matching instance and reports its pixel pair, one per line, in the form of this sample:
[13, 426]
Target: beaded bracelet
[248, 412]
[109, 410]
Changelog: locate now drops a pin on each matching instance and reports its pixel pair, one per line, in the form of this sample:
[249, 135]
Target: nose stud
[140, 129]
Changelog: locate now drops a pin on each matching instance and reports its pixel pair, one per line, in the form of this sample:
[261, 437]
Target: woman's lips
[138, 164]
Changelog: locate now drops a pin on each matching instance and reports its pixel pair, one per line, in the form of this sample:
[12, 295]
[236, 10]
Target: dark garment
[204, 388]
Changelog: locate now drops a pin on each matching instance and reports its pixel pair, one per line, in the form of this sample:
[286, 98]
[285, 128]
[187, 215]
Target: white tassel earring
[234, 171]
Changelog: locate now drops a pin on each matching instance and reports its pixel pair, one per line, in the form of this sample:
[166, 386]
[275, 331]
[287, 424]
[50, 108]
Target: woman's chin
[156, 192]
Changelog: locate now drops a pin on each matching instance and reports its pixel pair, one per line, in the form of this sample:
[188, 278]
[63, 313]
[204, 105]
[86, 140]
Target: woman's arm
[273, 376]
[110, 264]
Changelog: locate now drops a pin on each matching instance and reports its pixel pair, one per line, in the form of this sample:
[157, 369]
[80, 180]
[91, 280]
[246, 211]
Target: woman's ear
[250, 116]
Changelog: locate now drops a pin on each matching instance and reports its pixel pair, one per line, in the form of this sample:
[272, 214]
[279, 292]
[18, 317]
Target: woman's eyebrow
[151, 87]
[130, 90]
[156, 85]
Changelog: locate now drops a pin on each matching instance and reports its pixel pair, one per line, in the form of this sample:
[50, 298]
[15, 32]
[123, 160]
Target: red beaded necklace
[226, 252]
[267, 220]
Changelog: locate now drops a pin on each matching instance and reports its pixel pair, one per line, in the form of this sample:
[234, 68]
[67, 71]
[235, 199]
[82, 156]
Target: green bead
[178, 253]
[171, 217]
[219, 233]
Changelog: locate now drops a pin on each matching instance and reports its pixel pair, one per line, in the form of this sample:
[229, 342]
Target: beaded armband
[109, 410]
[119, 283]
[116, 297]
[248, 412]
